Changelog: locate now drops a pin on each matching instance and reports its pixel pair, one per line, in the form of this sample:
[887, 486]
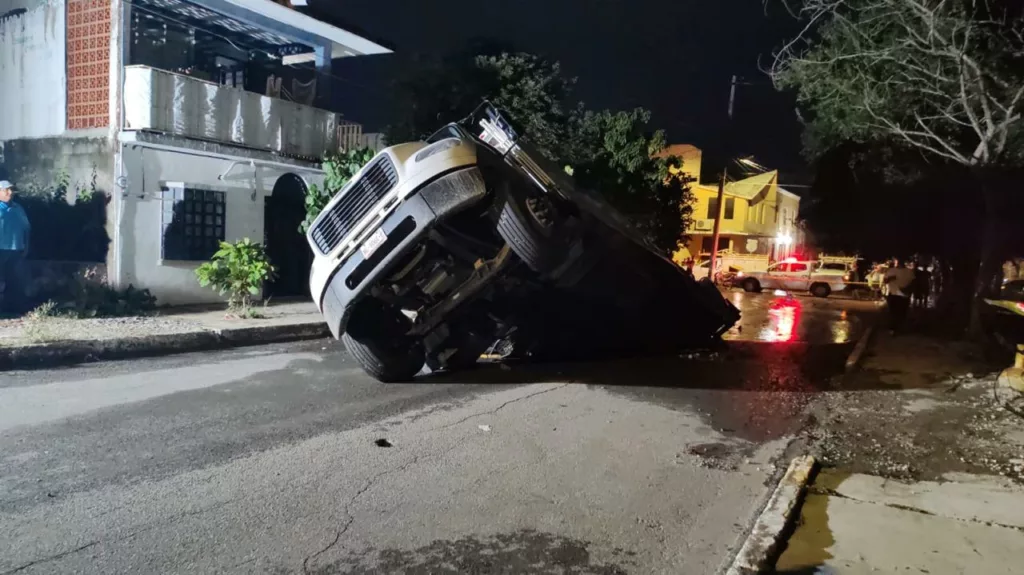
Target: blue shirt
[14, 227]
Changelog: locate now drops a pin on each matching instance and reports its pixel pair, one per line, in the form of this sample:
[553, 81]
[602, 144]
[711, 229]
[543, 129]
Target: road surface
[287, 459]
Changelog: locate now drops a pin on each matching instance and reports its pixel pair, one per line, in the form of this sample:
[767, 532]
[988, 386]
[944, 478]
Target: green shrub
[338, 170]
[239, 271]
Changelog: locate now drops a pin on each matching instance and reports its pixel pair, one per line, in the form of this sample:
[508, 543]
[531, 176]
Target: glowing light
[780, 293]
[784, 239]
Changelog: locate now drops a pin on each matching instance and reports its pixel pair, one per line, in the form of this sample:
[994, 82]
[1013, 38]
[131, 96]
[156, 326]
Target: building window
[730, 208]
[712, 208]
[193, 223]
[705, 244]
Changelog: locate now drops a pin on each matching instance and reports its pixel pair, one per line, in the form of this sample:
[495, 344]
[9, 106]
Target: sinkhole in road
[382, 443]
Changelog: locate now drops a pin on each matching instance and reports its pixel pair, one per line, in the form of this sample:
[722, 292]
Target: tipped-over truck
[440, 250]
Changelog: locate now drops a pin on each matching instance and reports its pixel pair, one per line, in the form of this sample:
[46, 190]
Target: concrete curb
[775, 524]
[78, 351]
[858, 350]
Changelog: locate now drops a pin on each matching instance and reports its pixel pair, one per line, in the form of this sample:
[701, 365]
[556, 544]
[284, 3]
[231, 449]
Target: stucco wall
[138, 212]
[37, 162]
[32, 69]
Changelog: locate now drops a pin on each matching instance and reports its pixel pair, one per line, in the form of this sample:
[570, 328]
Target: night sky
[673, 57]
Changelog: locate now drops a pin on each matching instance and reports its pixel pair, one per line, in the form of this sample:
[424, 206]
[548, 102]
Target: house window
[706, 244]
[730, 208]
[192, 221]
[712, 208]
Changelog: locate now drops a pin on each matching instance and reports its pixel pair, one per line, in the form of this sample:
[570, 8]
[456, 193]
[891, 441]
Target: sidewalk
[867, 524]
[51, 341]
[923, 467]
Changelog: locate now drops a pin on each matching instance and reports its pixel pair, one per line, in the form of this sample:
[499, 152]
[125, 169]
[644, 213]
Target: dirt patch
[922, 433]
[720, 455]
[519, 552]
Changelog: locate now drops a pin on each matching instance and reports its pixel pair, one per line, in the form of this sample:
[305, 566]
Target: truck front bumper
[405, 227]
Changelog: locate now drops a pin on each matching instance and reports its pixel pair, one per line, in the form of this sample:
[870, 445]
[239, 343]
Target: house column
[322, 62]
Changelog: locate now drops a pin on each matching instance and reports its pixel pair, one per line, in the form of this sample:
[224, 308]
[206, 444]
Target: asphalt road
[288, 459]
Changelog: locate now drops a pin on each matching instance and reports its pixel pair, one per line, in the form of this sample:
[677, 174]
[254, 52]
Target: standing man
[14, 240]
[898, 282]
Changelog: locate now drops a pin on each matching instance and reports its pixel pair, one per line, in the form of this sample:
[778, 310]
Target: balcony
[160, 101]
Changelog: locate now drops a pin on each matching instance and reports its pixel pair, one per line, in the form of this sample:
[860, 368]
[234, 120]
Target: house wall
[138, 215]
[32, 64]
[36, 162]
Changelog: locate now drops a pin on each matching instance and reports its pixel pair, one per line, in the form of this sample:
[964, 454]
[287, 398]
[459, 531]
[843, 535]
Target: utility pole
[721, 191]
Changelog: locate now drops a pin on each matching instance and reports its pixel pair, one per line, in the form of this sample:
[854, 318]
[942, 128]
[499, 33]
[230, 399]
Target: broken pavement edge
[78, 351]
[776, 522]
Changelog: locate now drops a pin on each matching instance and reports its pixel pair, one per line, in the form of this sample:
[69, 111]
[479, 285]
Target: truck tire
[821, 290]
[376, 338]
[751, 285]
[528, 224]
[387, 362]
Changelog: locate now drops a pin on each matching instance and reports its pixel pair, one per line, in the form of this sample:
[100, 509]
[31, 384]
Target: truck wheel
[376, 339]
[820, 290]
[751, 285]
[529, 225]
[387, 362]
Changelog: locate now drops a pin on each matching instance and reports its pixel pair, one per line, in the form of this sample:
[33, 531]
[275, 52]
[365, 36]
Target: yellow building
[758, 216]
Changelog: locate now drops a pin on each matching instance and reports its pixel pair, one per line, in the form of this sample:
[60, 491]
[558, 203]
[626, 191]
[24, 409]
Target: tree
[610, 152]
[941, 77]
[613, 153]
[532, 89]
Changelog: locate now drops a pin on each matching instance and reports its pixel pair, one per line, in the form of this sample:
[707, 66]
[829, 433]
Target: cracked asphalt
[287, 459]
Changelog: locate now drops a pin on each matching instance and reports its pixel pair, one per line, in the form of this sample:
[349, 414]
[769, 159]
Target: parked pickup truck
[441, 250]
[791, 275]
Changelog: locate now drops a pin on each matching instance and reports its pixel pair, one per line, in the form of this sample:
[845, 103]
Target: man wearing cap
[14, 239]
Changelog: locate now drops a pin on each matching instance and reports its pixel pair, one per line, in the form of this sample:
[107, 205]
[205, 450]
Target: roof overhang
[296, 25]
[788, 193]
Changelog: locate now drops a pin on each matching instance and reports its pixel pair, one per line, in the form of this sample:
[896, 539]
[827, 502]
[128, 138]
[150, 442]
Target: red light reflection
[785, 316]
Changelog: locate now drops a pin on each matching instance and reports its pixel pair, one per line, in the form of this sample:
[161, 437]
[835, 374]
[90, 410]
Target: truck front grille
[376, 181]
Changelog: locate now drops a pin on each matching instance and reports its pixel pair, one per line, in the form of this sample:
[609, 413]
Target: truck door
[774, 277]
[798, 277]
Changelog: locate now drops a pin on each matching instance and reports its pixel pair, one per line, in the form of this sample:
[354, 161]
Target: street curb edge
[81, 351]
[771, 529]
[858, 350]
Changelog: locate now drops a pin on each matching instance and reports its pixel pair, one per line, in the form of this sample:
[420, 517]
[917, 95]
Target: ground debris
[953, 425]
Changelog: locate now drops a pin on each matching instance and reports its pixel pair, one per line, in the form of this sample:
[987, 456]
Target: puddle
[809, 546]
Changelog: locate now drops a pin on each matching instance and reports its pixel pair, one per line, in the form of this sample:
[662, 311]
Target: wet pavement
[287, 459]
[794, 317]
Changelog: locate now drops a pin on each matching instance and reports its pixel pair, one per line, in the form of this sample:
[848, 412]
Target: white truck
[437, 251]
[819, 278]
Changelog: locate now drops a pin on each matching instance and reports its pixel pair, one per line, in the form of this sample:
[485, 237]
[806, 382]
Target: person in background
[14, 243]
[875, 277]
[921, 288]
[898, 282]
[1010, 271]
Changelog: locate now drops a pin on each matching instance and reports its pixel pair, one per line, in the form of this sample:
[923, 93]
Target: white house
[203, 120]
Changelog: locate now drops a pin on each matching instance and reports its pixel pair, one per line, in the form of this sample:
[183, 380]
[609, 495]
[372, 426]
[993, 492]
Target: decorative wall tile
[88, 63]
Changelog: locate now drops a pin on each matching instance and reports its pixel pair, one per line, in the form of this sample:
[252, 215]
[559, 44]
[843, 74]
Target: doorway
[283, 212]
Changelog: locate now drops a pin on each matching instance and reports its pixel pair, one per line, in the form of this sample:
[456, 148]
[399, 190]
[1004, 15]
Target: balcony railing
[162, 101]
